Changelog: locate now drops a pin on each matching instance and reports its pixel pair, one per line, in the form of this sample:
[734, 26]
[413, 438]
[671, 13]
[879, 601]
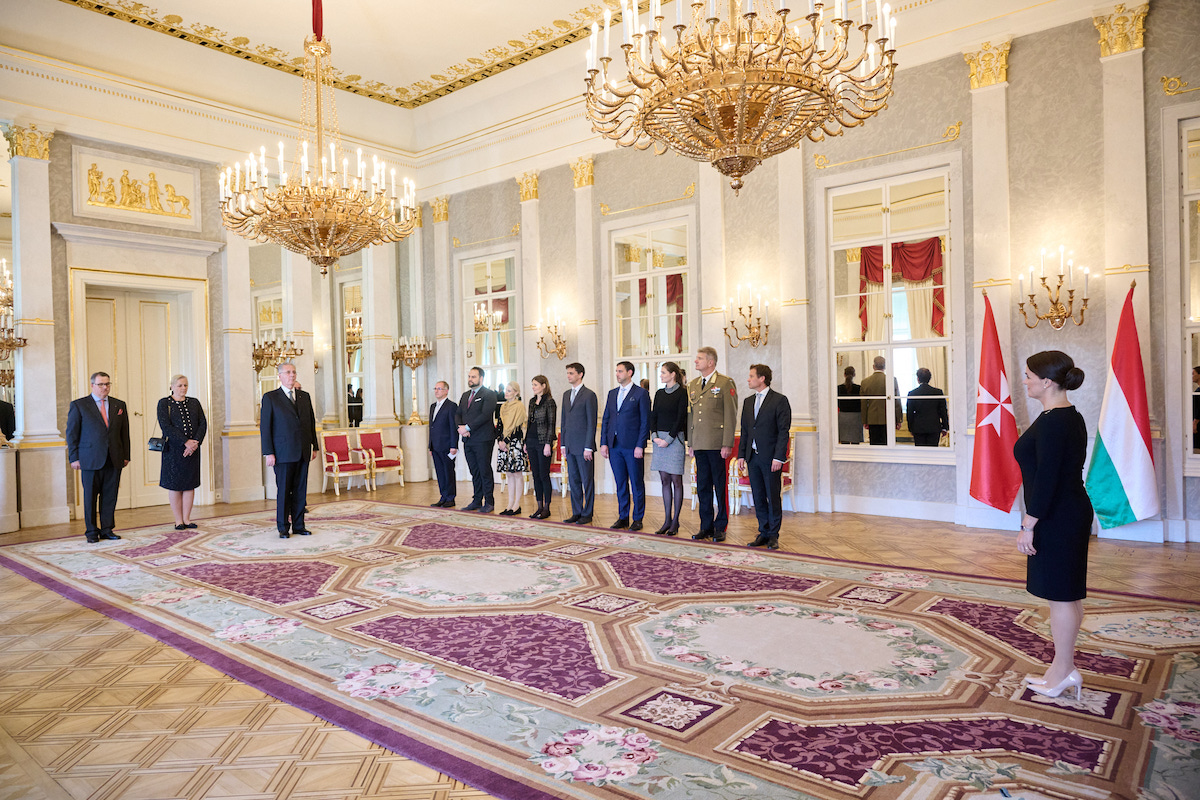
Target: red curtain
[911, 261]
[674, 303]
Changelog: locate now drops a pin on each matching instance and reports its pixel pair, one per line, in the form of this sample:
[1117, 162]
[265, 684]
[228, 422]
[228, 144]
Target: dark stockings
[672, 495]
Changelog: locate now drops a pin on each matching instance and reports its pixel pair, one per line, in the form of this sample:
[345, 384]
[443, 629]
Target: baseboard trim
[892, 507]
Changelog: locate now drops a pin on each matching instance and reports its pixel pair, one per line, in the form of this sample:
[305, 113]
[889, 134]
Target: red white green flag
[995, 476]
[1120, 478]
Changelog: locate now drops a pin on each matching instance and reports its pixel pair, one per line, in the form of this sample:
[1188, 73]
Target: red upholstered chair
[728, 476]
[739, 482]
[558, 467]
[382, 457]
[337, 461]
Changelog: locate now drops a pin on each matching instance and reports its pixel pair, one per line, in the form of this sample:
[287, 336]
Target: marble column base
[43, 485]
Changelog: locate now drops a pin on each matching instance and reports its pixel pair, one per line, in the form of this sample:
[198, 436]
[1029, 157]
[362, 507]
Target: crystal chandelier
[322, 214]
[735, 85]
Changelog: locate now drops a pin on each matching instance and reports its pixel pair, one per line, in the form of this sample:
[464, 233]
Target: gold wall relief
[989, 65]
[583, 170]
[1122, 30]
[528, 183]
[419, 216]
[28, 142]
[1176, 85]
[441, 209]
[135, 194]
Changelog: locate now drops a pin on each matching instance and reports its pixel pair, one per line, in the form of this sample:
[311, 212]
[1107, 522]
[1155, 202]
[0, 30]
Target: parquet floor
[92, 709]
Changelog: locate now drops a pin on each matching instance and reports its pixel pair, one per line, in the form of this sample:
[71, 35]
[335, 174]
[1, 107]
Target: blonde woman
[183, 425]
[512, 460]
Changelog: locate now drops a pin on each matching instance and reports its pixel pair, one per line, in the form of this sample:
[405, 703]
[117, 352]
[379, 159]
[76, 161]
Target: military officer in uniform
[712, 420]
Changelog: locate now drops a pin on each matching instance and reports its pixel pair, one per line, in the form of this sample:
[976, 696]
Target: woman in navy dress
[1058, 514]
[183, 424]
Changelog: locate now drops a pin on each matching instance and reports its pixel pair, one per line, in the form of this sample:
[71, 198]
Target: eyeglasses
[101, 384]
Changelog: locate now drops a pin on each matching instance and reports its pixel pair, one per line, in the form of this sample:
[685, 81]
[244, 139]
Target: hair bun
[1073, 379]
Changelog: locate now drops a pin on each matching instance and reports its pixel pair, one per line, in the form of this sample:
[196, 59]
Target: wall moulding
[688, 193]
[1176, 85]
[952, 133]
[516, 229]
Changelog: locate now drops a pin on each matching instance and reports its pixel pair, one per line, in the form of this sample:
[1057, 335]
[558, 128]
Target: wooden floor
[92, 709]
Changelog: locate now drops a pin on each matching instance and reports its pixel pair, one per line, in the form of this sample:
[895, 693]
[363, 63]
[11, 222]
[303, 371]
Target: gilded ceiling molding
[441, 209]
[583, 169]
[494, 60]
[529, 186]
[28, 142]
[1122, 30]
[989, 65]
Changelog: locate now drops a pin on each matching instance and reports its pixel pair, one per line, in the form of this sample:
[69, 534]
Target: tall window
[352, 341]
[651, 277]
[268, 326]
[489, 315]
[1191, 260]
[888, 261]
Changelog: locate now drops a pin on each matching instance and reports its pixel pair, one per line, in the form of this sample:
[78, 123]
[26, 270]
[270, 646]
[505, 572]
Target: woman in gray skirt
[668, 421]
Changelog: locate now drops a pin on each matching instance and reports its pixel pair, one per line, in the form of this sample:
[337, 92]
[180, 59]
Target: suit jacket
[288, 432]
[479, 414]
[90, 441]
[8, 419]
[770, 430]
[443, 429]
[629, 426]
[712, 412]
[927, 416]
[874, 408]
[579, 422]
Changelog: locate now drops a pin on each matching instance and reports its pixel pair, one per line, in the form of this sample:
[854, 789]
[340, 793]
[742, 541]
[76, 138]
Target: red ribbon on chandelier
[318, 21]
[912, 261]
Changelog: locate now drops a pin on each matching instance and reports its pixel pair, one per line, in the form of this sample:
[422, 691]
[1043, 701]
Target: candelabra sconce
[485, 321]
[412, 352]
[1057, 312]
[9, 341]
[7, 378]
[354, 332]
[557, 343]
[755, 319]
[273, 353]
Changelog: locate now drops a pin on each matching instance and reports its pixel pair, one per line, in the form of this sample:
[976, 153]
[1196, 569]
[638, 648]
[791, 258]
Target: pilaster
[241, 449]
[711, 273]
[379, 332]
[531, 265]
[588, 327]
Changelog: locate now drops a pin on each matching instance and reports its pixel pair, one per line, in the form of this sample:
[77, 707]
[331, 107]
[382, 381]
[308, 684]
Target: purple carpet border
[460, 769]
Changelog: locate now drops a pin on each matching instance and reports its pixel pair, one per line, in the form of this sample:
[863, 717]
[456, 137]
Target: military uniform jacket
[712, 412]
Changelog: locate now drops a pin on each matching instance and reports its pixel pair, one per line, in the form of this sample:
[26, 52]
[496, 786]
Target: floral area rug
[537, 660]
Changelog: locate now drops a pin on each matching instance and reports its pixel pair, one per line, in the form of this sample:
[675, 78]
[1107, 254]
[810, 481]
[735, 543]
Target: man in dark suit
[98, 446]
[927, 419]
[476, 416]
[624, 431]
[8, 419]
[443, 443]
[578, 430]
[766, 422]
[288, 429]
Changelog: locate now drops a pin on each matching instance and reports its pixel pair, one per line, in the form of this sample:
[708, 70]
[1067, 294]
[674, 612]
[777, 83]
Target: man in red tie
[98, 446]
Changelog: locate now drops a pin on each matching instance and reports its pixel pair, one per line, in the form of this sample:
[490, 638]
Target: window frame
[511, 370]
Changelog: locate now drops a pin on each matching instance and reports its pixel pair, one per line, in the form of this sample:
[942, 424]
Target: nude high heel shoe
[1074, 680]
[1034, 680]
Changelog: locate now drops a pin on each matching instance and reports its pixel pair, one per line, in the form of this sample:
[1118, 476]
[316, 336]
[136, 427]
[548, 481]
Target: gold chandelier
[321, 214]
[735, 85]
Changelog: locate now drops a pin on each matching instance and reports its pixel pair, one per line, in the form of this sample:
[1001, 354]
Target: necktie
[292, 396]
[621, 397]
[471, 399]
[703, 383]
[758, 404]
[104, 412]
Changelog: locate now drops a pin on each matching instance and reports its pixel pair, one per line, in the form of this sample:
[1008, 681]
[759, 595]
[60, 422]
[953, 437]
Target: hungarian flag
[995, 476]
[1120, 478]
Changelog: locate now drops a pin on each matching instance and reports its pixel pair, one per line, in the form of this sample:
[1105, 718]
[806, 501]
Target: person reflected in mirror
[927, 419]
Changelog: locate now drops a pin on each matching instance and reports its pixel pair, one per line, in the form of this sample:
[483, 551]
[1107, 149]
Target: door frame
[194, 355]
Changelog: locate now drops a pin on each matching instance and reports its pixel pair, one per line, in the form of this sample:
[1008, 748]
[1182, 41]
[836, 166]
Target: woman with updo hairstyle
[1058, 514]
[184, 426]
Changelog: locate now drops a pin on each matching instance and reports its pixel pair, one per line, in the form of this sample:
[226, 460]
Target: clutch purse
[155, 443]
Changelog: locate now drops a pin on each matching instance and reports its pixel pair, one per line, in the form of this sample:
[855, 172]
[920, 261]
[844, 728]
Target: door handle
[137, 413]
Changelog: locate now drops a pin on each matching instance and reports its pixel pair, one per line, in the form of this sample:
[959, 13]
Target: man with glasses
[98, 446]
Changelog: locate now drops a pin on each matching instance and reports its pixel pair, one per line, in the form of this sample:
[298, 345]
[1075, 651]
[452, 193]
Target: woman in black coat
[184, 426]
[540, 439]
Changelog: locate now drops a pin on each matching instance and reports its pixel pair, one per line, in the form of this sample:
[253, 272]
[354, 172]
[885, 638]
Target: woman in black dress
[850, 424]
[1058, 514]
[183, 425]
[540, 438]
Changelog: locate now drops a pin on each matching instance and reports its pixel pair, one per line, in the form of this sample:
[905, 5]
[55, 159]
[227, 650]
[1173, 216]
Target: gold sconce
[558, 342]
[1057, 313]
[9, 341]
[485, 321]
[755, 318]
[412, 352]
[273, 353]
[7, 378]
[354, 331]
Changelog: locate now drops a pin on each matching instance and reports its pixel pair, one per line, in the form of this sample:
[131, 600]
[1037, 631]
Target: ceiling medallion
[735, 85]
[323, 214]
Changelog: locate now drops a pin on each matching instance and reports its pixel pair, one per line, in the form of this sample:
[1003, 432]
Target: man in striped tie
[98, 446]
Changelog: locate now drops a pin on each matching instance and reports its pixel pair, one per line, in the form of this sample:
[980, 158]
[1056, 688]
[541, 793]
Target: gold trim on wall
[687, 193]
[1126, 269]
[1122, 30]
[794, 302]
[583, 171]
[989, 66]
[441, 208]
[28, 142]
[516, 229]
[992, 282]
[528, 184]
[952, 133]
[1176, 85]
[34, 321]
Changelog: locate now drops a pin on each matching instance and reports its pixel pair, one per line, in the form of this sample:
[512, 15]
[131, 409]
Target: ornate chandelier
[736, 85]
[321, 214]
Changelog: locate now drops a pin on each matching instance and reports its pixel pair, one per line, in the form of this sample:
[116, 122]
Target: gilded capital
[529, 186]
[28, 142]
[582, 168]
[989, 65]
[419, 216]
[1122, 30]
[441, 209]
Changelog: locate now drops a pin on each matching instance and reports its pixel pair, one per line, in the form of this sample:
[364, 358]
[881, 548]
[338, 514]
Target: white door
[129, 336]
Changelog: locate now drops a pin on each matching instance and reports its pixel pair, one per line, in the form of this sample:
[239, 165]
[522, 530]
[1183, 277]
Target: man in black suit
[288, 429]
[443, 443]
[98, 446]
[927, 419]
[476, 416]
[578, 431]
[8, 419]
[766, 422]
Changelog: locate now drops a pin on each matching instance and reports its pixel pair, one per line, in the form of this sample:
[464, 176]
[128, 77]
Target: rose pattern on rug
[734, 559]
[980, 773]
[551, 654]
[899, 580]
[671, 710]
[870, 594]
[918, 658]
[167, 560]
[160, 546]
[170, 596]
[257, 630]
[390, 680]
[671, 576]
[277, 583]
[263, 540]
[439, 536]
[437, 580]
[598, 755]
[100, 573]
[1000, 622]
[1161, 630]
[1178, 719]
[845, 753]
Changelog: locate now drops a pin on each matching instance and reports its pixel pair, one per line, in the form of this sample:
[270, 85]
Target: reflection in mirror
[352, 339]
[1192, 231]
[8, 414]
[1196, 392]
[1192, 161]
[651, 316]
[859, 299]
[266, 291]
[921, 373]
[858, 214]
[919, 205]
[919, 294]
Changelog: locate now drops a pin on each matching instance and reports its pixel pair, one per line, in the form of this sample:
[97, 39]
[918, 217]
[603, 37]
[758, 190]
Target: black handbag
[156, 442]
